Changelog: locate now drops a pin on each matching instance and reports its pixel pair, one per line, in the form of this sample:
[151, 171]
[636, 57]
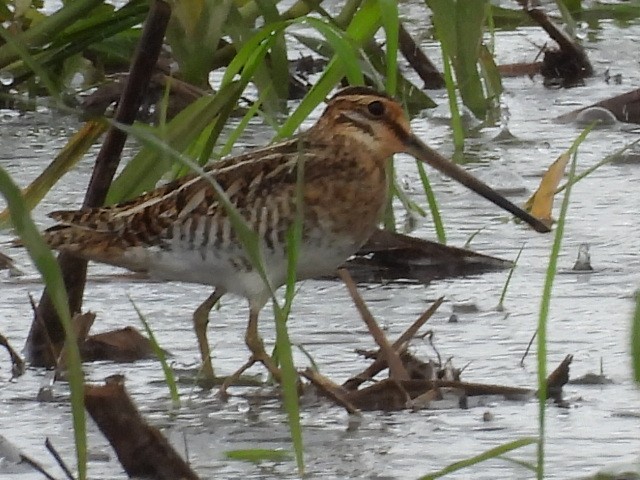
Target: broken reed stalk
[389, 395]
[565, 43]
[380, 364]
[141, 448]
[396, 369]
[17, 364]
[74, 269]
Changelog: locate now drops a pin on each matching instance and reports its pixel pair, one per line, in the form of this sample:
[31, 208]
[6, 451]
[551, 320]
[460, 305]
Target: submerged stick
[141, 448]
[74, 269]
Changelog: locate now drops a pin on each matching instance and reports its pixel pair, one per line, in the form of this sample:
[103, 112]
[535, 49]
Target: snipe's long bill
[182, 231]
[419, 150]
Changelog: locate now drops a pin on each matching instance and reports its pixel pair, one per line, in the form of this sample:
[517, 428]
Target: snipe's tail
[99, 246]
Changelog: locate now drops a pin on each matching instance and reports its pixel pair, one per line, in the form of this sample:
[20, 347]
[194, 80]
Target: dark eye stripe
[364, 126]
[397, 129]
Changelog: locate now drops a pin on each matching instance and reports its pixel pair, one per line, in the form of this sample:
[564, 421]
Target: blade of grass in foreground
[283, 342]
[50, 271]
[484, 456]
[391, 22]
[546, 301]
[157, 350]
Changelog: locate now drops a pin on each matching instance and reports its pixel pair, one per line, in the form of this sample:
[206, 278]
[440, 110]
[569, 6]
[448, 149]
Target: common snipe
[181, 231]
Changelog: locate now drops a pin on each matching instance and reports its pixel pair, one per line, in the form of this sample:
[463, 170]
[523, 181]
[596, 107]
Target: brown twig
[379, 364]
[36, 466]
[526, 352]
[59, 460]
[334, 391]
[74, 269]
[396, 369]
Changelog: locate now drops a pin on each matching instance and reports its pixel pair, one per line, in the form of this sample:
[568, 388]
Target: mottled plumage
[181, 231]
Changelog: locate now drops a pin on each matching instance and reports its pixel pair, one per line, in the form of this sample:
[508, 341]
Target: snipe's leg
[258, 354]
[200, 323]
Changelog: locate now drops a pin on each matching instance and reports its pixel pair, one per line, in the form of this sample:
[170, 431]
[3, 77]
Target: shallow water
[590, 313]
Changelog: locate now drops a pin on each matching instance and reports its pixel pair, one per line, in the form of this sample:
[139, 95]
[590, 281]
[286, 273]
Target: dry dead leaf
[541, 202]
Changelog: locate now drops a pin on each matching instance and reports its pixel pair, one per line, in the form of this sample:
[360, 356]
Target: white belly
[232, 271]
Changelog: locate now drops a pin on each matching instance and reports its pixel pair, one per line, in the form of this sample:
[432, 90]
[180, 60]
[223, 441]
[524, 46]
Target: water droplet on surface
[596, 114]
[77, 80]
[6, 78]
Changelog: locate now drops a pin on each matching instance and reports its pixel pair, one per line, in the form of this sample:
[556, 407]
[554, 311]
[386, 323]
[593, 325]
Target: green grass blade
[242, 125]
[521, 463]
[277, 69]
[506, 283]
[363, 25]
[159, 352]
[289, 385]
[470, 18]
[433, 204]
[69, 156]
[456, 119]
[566, 7]
[30, 61]
[546, 302]
[283, 342]
[391, 24]
[257, 455]
[147, 167]
[45, 30]
[218, 124]
[491, 76]
[608, 159]
[344, 50]
[260, 41]
[50, 271]
[635, 340]
[488, 455]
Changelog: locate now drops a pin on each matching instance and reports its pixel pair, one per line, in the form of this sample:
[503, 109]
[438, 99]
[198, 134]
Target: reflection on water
[590, 314]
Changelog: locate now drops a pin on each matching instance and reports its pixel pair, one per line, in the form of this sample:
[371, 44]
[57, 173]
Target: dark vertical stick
[74, 270]
[425, 69]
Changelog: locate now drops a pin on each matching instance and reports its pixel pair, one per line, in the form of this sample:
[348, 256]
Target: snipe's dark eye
[376, 108]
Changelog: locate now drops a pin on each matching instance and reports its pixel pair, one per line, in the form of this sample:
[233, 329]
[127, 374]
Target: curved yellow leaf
[540, 204]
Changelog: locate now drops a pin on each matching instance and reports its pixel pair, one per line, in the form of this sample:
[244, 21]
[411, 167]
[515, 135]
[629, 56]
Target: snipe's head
[370, 118]
[378, 122]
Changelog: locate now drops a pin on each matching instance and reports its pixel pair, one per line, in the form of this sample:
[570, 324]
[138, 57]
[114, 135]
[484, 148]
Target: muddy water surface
[590, 313]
